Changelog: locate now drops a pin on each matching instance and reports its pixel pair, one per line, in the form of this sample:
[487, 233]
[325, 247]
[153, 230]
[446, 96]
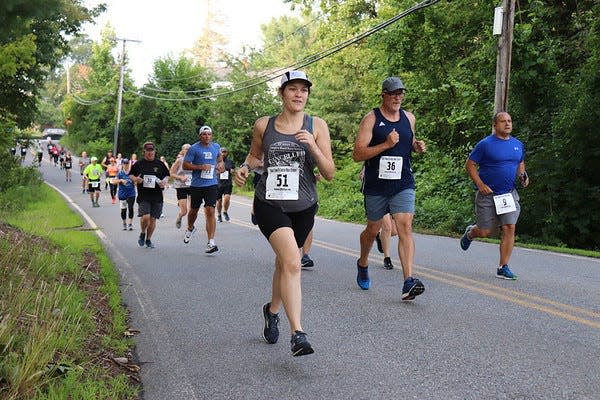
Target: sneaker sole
[506, 278]
[309, 264]
[213, 250]
[414, 291]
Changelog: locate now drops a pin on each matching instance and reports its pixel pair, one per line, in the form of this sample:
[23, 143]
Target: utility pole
[120, 94]
[504, 53]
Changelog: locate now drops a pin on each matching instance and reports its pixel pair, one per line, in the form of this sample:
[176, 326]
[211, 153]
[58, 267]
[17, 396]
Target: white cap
[295, 76]
[205, 128]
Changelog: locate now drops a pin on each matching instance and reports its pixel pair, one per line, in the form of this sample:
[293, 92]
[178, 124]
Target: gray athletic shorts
[152, 208]
[377, 206]
[485, 210]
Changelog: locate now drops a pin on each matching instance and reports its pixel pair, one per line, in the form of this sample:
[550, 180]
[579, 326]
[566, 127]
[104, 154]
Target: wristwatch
[245, 165]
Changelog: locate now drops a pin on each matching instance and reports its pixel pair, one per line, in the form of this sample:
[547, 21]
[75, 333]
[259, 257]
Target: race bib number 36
[505, 203]
[283, 183]
[390, 167]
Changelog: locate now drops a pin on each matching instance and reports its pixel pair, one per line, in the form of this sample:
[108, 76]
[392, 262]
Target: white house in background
[54, 133]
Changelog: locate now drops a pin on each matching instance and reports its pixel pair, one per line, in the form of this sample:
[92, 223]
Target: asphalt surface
[469, 336]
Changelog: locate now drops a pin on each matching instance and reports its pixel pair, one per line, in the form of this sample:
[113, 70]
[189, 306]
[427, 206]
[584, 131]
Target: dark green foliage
[446, 55]
[16, 183]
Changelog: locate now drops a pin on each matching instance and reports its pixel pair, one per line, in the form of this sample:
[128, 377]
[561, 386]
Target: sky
[166, 28]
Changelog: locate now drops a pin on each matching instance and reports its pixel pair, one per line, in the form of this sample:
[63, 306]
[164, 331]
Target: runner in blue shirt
[493, 166]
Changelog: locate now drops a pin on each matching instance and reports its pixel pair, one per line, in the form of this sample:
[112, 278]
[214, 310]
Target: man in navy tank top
[385, 142]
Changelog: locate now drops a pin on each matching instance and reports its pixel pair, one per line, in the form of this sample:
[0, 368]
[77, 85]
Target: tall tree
[33, 39]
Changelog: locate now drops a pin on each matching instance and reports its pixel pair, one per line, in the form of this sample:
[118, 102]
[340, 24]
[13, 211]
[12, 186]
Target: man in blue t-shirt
[205, 160]
[500, 158]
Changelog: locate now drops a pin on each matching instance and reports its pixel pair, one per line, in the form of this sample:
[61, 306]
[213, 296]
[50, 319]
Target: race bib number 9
[208, 174]
[505, 203]
[390, 167]
[150, 181]
[283, 183]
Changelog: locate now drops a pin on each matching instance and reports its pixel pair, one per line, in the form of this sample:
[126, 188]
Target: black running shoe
[379, 245]
[306, 262]
[387, 263]
[271, 331]
[300, 345]
[142, 240]
[412, 288]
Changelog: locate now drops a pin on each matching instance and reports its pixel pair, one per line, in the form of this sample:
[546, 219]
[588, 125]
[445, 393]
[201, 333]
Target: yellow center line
[527, 300]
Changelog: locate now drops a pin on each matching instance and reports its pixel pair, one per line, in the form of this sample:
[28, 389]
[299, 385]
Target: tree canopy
[446, 56]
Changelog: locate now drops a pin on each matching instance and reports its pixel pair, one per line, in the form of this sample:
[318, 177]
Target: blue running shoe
[149, 244]
[505, 273]
[142, 240]
[362, 278]
[412, 288]
[465, 242]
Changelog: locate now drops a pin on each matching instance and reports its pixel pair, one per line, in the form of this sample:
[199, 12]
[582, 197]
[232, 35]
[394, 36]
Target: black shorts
[223, 190]
[208, 194]
[153, 208]
[182, 193]
[94, 186]
[272, 218]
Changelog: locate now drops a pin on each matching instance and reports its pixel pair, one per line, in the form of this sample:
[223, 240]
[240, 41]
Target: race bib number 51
[283, 183]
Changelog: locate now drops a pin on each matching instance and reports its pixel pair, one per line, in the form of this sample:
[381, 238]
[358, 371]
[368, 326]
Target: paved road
[469, 336]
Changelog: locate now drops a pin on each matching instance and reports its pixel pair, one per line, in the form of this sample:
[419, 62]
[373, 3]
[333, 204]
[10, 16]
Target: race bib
[95, 184]
[390, 167]
[67, 164]
[224, 175]
[204, 174]
[283, 183]
[188, 180]
[150, 181]
[505, 203]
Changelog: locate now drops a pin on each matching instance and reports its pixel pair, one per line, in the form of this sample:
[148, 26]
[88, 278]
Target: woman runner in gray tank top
[285, 200]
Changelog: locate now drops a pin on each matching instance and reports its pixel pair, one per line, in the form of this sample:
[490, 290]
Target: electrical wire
[246, 81]
[307, 60]
[85, 102]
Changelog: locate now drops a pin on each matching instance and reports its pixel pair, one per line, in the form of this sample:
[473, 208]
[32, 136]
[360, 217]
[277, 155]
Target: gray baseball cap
[392, 84]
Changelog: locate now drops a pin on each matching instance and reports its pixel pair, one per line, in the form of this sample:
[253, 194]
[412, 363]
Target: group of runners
[292, 150]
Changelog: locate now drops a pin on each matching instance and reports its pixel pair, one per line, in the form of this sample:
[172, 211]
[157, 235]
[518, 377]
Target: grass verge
[62, 324]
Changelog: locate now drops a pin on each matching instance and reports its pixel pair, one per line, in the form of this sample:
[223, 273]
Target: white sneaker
[211, 248]
[188, 235]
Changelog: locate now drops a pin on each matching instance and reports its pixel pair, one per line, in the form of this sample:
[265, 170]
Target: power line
[85, 102]
[307, 60]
